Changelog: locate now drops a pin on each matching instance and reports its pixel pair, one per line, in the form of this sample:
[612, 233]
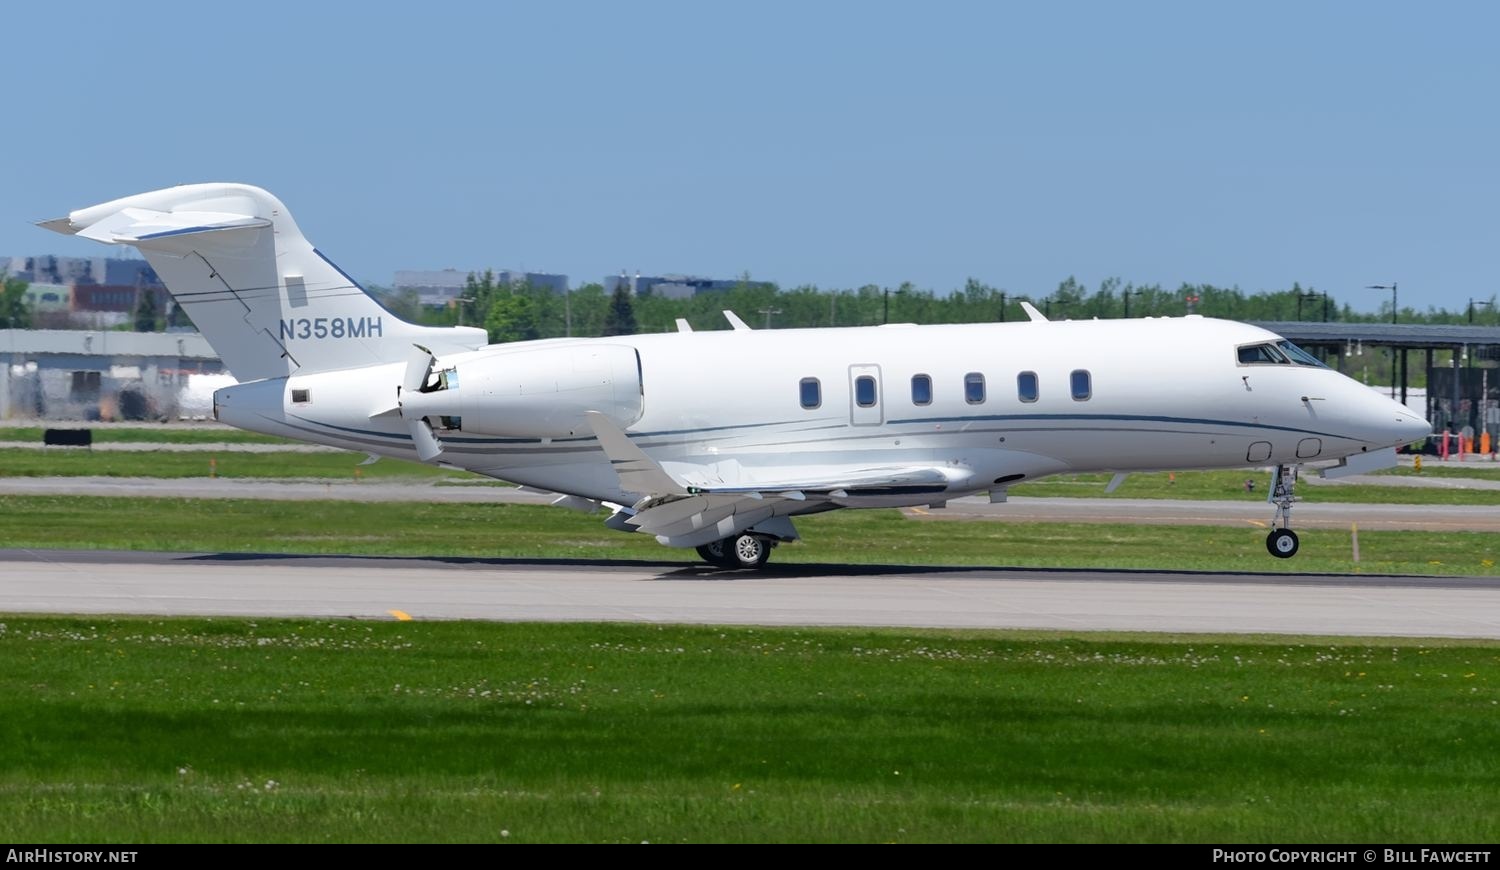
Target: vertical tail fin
[267, 301]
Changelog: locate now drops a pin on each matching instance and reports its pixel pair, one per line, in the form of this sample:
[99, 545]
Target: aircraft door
[865, 408]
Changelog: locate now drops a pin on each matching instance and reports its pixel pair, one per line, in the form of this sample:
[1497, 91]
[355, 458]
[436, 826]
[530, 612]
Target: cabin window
[1026, 386]
[812, 393]
[301, 397]
[864, 391]
[921, 390]
[974, 388]
[1079, 382]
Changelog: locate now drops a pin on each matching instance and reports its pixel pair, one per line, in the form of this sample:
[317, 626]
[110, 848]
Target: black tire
[1282, 543]
[714, 554]
[747, 551]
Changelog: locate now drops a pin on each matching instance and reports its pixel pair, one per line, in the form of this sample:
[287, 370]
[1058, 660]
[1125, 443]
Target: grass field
[1482, 469]
[151, 435]
[1195, 485]
[855, 537]
[1230, 486]
[235, 730]
[22, 462]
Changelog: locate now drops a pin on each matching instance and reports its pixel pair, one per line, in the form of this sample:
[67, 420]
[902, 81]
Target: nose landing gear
[1282, 543]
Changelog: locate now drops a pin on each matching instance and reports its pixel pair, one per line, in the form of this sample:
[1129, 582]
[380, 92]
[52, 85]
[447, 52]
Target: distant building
[50, 269]
[104, 305]
[677, 286]
[433, 287]
[439, 287]
[49, 297]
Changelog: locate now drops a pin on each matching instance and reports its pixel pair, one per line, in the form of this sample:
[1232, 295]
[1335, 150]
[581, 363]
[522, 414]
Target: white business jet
[715, 440]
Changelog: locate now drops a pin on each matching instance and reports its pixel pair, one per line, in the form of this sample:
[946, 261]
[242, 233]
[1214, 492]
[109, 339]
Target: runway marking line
[400, 615]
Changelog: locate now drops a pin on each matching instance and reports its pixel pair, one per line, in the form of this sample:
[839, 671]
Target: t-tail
[268, 302]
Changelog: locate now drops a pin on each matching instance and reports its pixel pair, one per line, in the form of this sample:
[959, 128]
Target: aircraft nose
[1411, 428]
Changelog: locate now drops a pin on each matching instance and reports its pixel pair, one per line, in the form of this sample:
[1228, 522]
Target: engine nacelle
[536, 393]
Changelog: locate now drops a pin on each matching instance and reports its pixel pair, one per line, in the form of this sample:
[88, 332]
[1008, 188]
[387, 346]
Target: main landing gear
[1282, 543]
[738, 551]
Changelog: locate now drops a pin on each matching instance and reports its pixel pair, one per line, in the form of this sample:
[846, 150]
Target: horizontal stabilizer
[130, 226]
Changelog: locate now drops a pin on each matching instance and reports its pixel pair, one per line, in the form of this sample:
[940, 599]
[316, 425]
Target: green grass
[141, 730]
[855, 537]
[1230, 486]
[151, 435]
[1481, 470]
[22, 462]
[1192, 485]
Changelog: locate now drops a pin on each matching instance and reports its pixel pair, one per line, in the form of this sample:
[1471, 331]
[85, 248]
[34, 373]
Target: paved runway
[228, 584]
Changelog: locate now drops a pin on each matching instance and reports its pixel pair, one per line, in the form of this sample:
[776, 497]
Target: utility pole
[1391, 287]
[768, 312]
[1309, 296]
[1472, 303]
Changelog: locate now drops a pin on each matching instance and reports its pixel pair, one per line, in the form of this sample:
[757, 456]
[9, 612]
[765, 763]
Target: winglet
[1031, 312]
[735, 321]
[59, 225]
[638, 472]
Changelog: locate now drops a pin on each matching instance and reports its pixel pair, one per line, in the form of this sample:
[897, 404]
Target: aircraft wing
[683, 514]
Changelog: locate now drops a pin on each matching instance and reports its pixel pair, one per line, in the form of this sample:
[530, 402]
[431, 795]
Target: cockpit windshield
[1280, 353]
[1298, 355]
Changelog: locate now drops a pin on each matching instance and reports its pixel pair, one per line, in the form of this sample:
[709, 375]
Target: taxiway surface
[103, 582]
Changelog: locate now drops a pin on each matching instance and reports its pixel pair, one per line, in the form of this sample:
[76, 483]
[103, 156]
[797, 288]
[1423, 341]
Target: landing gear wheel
[715, 554]
[747, 551]
[1282, 543]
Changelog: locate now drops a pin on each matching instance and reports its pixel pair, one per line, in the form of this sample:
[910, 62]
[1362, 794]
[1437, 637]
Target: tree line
[518, 312]
[521, 312]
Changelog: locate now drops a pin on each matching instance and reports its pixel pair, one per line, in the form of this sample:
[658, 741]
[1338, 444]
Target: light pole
[1127, 294]
[1391, 287]
[768, 312]
[1311, 295]
[461, 302]
[1472, 303]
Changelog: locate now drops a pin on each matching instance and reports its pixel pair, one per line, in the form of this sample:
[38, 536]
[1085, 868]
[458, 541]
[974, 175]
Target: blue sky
[830, 143]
